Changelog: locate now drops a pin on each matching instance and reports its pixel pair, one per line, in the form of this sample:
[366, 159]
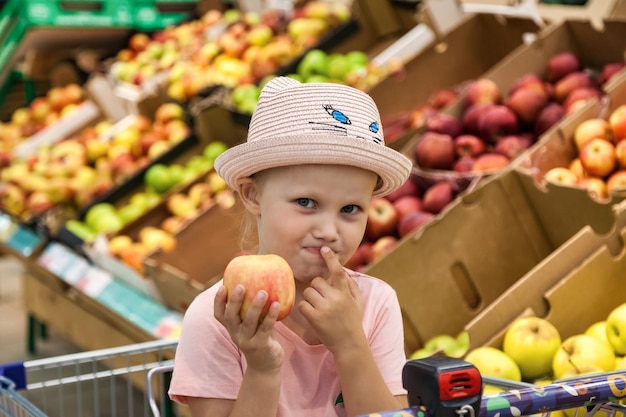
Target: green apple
[213, 150]
[314, 62]
[494, 362]
[96, 211]
[598, 329]
[130, 212]
[108, 222]
[81, 230]
[582, 351]
[420, 353]
[616, 329]
[441, 343]
[358, 59]
[245, 92]
[532, 343]
[158, 178]
[338, 66]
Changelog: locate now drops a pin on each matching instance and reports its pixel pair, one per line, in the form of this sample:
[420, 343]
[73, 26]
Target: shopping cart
[100, 383]
[439, 386]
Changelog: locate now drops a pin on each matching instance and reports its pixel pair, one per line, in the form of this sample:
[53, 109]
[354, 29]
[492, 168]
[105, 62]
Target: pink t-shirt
[209, 365]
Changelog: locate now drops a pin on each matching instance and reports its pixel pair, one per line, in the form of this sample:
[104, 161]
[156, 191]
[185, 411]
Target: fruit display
[180, 193]
[225, 48]
[81, 168]
[453, 346]
[270, 273]
[598, 162]
[400, 214]
[494, 126]
[353, 68]
[41, 113]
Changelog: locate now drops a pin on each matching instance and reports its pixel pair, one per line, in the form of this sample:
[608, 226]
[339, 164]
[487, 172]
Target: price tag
[19, 238]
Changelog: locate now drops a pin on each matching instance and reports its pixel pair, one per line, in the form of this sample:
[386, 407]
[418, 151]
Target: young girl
[314, 158]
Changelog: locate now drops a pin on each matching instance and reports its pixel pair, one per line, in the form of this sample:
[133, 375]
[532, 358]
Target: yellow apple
[582, 351]
[598, 330]
[494, 362]
[616, 329]
[532, 343]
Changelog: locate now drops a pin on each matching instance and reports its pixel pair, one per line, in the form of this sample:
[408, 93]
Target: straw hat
[315, 123]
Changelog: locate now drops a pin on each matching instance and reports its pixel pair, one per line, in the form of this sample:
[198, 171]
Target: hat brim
[248, 158]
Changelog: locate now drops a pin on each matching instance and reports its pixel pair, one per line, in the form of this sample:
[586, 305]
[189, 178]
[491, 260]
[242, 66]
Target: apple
[561, 176]
[152, 238]
[532, 343]
[407, 204]
[119, 244]
[408, 188]
[472, 116]
[214, 149]
[37, 202]
[412, 221]
[529, 80]
[580, 351]
[12, 198]
[441, 343]
[469, 145]
[617, 180]
[597, 187]
[269, 273]
[382, 246]
[527, 104]
[562, 64]
[158, 178]
[435, 151]
[591, 129]
[577, 168]
[382, 219]
[496, 122]
[444, 123]
[483, 90]
[361, 256]
[548, 117]
[442, 98]
[616, 329]
[438, 196]
[598, 330]
[570, 82]
[512, 145]
[494, 362]
[598, 157]
[617, 123]
[581, 94]
[464, 164]
[181, 205]
[489, 162]
[610, 70]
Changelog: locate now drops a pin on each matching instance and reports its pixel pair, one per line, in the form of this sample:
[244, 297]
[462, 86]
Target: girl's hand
[334, 307]
[254, 337]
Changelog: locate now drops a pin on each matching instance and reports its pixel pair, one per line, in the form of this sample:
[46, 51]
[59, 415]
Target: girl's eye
[351, 209]
[305, 202]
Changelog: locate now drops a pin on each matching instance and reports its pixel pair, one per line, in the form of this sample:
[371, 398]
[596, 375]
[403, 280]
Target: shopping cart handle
[404, 412]
[15, 372]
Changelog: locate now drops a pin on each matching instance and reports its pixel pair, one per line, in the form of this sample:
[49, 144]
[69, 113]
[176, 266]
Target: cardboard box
[594, 11]
[454, 267]
[578, 285]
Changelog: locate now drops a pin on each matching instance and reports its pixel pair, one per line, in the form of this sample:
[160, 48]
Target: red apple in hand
[382, 219]
[270, 273]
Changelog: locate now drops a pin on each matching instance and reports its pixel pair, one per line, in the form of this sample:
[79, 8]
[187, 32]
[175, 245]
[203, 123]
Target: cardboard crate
[454, 267]
[576, 286]
[594, 11]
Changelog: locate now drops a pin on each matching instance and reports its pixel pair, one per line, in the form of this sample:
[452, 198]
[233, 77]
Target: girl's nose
[325, 229]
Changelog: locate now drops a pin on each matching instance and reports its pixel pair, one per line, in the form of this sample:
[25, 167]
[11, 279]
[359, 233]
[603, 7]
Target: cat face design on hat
[342, 118]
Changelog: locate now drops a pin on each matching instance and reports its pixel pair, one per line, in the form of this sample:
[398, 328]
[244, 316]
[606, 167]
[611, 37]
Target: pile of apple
[229, 48]
[85, 166]
[401, 213]
[352, 68]
[599, 164]
[533, 350]
[41, 113]
[494, 128]
[453, 346]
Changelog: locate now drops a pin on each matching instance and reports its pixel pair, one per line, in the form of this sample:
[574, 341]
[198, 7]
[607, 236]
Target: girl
[314, 158]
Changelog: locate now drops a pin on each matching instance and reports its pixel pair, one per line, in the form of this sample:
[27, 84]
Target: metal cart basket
[107, 382]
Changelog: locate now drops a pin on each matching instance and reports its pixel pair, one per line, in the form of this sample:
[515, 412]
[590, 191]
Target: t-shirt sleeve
[386, 336]
[207, 363]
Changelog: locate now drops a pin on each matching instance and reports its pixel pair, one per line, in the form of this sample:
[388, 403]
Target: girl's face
[302, 208]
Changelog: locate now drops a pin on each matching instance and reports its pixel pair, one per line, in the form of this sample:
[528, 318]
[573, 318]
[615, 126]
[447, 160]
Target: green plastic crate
[77, 13]
[150, 15]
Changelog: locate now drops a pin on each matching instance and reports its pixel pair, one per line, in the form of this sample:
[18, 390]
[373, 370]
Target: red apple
[581, 93]
[472, 116]
[609, 71]
[269, 273]
[483, 90]
[562, 64]
[548, 117]
[561, 175]
[382, 246]
[407, 204]
[577, 168]
[382, 219]
[591, 129]
[532, 81]
[617, 180]
[598, 157]
[362, 256]
[469, 145]
[497, 122]
[435, 151]
[442, 98]
[438, 196]
[570, 82]
[527, 104]
[617, 123]
[512, 145]
[620, 153]
[464, 164]
[412, 221]
[410, 187]
[490, 162]
[444, 123]
[37, 202]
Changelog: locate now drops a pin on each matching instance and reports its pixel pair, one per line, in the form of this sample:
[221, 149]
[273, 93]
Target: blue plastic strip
[15, 372]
